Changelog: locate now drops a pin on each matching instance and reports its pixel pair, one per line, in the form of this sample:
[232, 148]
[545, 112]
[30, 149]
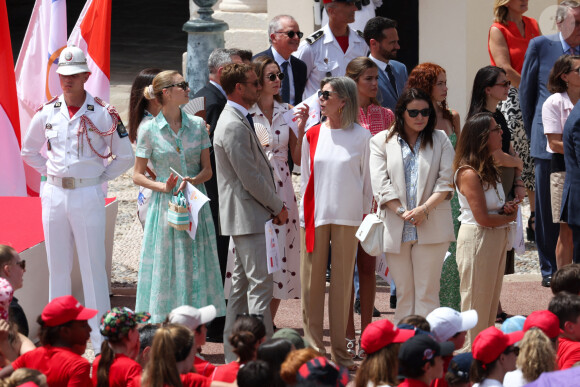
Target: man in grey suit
[248, 199]
[541, 55]
[383, 40]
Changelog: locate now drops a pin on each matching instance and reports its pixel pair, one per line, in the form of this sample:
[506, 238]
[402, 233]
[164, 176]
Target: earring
[340, 110]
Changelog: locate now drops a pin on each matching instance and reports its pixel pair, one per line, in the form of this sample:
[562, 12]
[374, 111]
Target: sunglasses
[415, 112]
[504, 84]
[291, 34]
[325, 94]
[272, 77]
[514, 349]
[255, 83]
[182, 85]
[22, 264]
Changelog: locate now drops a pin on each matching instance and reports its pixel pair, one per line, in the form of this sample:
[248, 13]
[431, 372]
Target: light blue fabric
[411, 164]
[174, 269]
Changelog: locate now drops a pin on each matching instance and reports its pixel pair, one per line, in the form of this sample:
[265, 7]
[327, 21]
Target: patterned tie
[285, 83]
[392, 78]
[251, 121]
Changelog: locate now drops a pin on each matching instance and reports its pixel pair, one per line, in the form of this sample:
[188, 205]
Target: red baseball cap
[547, 321]
[64, 309]
[381, 333]
[491, 342]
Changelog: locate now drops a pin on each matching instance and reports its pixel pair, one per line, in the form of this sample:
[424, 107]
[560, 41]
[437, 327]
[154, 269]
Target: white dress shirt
[280, 59]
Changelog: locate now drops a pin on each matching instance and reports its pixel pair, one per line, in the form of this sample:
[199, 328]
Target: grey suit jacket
[434, 175]
[247, 191]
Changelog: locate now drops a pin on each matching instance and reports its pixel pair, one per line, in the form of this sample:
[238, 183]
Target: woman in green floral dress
[174, 269]
[433, 80]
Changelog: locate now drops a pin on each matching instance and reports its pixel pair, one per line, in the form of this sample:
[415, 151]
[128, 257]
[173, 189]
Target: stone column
[248, 21]
[205, 35]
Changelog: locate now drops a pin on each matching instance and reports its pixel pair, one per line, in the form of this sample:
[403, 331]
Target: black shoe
[547, 281]
[530, 233]
[327, 275]
[357, 306]
[376, 312]
[393, 302]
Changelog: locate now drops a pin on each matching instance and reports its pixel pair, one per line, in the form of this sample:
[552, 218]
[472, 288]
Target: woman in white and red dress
[375, 118]
[336, 193]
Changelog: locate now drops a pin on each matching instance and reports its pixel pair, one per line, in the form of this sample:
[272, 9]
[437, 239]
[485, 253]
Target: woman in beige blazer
[411, 178]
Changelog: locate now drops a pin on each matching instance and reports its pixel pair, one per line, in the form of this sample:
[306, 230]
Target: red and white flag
[92, 34]
[12, 180]
[36, 78]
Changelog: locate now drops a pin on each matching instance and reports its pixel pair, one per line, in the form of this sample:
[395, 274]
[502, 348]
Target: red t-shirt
[195, 380]
[72, 110]
[342, 42]
[123, 372]
[568, 352]
[227, 373]
[203, 366]
[412, 383]
[61, 366]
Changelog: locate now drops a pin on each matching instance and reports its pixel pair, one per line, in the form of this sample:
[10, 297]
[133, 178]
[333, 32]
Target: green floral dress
[449, 293]
[174, 269]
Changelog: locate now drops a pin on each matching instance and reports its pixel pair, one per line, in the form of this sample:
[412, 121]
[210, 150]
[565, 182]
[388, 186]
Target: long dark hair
[472, 149]
[137, 101]
[485, 77]
[408, 96]
[274, 352]
[260, 64]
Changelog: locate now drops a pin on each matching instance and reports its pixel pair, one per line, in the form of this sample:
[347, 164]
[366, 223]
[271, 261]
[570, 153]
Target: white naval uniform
[76, 215]
[324, 57]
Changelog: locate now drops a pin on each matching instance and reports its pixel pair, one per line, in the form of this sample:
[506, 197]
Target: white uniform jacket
[324, 57]
[72, 151]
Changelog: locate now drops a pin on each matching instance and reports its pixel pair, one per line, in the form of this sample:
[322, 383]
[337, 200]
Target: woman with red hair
[432, 79]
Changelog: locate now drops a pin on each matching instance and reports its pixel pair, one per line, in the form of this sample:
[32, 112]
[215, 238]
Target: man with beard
[382, 37]
[248, 199]
[328, 51]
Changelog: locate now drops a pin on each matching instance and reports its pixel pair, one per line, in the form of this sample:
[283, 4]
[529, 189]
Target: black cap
[460, 365]
[420, 349]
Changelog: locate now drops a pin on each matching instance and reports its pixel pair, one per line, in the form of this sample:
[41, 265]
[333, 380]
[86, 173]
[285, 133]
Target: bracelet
[426, 211]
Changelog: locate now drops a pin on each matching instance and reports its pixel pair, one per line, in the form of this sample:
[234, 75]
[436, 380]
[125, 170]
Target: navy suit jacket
[298, 73]
[386, 95]
[571, 193]
[541, 55]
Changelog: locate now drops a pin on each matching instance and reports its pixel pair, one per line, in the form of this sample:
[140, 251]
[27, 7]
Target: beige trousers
[313, 272]
[481, 255]
[417, 274]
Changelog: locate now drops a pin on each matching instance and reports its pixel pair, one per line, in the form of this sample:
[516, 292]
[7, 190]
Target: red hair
[424, 77]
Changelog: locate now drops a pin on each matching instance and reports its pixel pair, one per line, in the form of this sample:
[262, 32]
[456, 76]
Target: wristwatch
[400, 210]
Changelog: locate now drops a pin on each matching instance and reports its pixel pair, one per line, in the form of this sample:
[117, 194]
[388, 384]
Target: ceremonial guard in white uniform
[86, 145]
[321, 51]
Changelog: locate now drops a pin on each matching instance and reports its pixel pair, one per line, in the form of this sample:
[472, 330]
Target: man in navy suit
[541, 55]
[571, 193]
[215, 100]
[383, 40]
[285, 37]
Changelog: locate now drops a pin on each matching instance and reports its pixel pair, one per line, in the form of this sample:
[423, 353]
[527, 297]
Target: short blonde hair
[500, 11]
[346, 90]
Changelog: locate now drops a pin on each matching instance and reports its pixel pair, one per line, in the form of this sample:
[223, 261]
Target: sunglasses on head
[325, 94]
[415, 112]
[182, 85]
[272, 77]
[291, 34]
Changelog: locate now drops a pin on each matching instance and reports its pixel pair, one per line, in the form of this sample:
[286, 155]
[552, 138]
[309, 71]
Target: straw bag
[177, 214]
[371, 234]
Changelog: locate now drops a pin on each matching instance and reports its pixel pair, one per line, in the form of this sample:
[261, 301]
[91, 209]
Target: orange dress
[517, 45]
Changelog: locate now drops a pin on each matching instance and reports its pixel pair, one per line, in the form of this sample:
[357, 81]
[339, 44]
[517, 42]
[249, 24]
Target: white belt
[71, 182]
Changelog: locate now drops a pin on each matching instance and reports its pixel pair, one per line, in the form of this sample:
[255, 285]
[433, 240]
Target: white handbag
[371, 233]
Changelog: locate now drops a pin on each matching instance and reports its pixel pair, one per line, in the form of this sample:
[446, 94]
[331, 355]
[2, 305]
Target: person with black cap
[458, 372]
[420, 360]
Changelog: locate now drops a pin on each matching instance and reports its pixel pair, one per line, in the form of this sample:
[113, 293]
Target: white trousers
[77, 217]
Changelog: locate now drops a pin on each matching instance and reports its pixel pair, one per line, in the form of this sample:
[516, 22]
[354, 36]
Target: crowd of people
[387, 143]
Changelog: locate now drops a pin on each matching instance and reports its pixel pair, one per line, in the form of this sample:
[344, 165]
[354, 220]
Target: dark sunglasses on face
[255, 83]
[415, 112]
[272, 77]
[504, 84]
[22, 264]
[183, 85]
[325, 94]
[291, 34]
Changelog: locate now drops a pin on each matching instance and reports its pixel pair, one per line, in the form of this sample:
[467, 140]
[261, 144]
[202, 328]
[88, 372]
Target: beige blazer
[247, 192]
[434, 175]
